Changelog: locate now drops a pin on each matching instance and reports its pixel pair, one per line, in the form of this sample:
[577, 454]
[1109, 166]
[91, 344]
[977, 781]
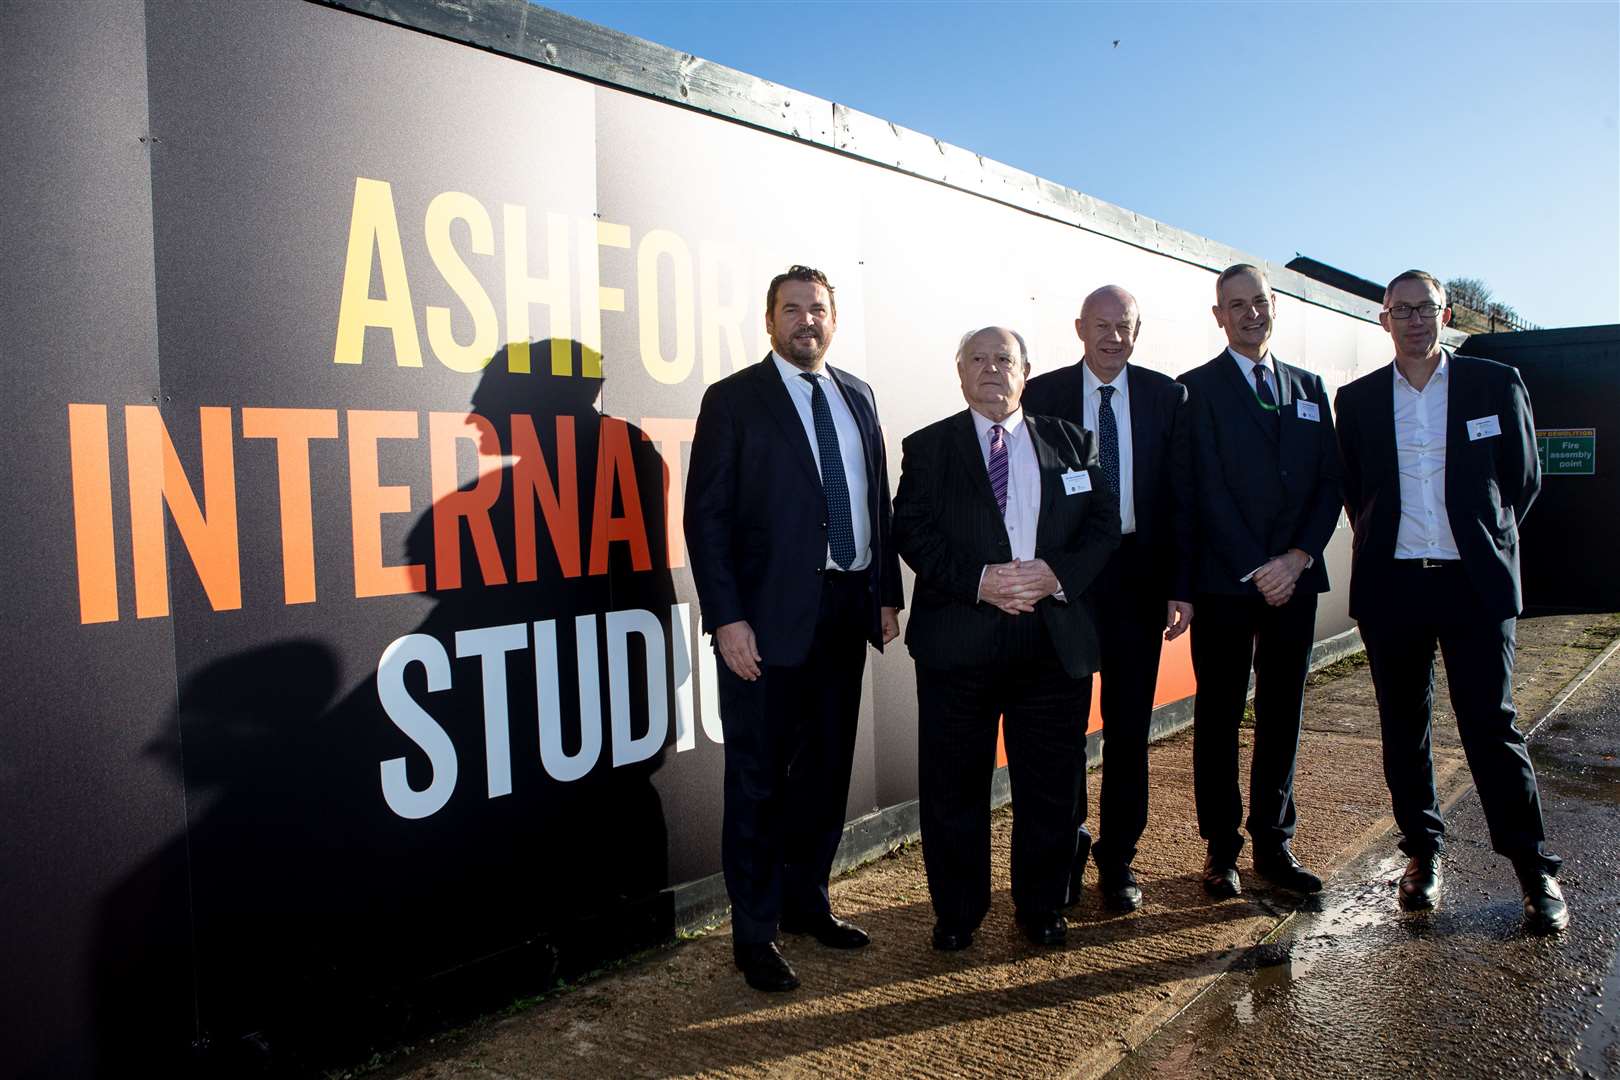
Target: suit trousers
[790, 742]
[1128, 604]
[1438, 607]
[1231, 635]
[1043, 712]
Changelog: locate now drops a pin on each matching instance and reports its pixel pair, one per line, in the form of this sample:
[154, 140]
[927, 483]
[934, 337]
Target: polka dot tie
[1108, 439]
[834, 484]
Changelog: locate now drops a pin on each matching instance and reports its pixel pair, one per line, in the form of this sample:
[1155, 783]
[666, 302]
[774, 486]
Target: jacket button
[818, 569]
[823, 524]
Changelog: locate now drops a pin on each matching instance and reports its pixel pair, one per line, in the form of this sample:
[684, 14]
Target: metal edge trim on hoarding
[563, 43]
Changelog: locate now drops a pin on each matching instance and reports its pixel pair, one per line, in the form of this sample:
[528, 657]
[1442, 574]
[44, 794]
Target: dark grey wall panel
[93, 905]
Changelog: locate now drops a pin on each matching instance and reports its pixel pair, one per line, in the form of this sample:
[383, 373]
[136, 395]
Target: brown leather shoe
[1420, 884]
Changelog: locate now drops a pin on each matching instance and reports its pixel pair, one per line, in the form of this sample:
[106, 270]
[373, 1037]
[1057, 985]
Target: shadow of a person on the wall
[249, 746]
[547, 851]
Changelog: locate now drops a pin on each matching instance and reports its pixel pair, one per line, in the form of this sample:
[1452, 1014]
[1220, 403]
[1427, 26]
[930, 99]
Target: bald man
[1143, 596]
[1006, 520]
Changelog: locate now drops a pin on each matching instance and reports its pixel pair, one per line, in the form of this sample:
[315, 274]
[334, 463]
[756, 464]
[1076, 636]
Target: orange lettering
[292, 429]
[93, 513]
[669, 435]
[614, 461]
[369, 500]
[156, 479]
[451, 504]
[559, 503]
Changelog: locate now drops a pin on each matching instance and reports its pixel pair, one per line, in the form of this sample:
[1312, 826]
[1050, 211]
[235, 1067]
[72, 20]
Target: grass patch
[1337, 670]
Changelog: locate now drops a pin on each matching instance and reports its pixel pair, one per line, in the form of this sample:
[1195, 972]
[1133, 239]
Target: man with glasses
[1265, 473]
[1440, 467]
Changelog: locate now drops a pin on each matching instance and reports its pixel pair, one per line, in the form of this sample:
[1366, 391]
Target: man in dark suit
[1439, 469]
[787, 529]
[1142, 597]
[1006, 521]
[1264, 468]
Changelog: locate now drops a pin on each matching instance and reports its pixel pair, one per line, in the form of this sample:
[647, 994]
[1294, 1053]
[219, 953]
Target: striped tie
[998, 468]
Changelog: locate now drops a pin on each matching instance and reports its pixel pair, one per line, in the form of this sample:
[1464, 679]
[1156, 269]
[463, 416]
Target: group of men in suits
[1065, 526]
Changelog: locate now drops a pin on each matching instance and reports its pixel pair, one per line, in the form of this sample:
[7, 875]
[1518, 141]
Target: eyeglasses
[1405, 311]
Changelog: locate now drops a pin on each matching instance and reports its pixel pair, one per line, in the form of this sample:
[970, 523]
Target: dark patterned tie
[1262, 388]
[998, 468]
[834, 485]
[1108, 440]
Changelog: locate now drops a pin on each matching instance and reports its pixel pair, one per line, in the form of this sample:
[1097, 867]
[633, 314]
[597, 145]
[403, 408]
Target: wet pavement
[1360, 988]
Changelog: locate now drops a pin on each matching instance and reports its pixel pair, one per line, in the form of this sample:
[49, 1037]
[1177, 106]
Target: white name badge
[1484, 428]
[1307, 410]
[1074, 483]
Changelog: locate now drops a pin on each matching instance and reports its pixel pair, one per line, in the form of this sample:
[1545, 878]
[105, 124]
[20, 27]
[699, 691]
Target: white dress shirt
[849, 449]
[1023, 514]
[1420, 458]
[1246, 366]
[1121, 406]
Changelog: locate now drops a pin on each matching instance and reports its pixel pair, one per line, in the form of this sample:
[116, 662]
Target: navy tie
[1108, 440]
[1262, 388]
[834, 485]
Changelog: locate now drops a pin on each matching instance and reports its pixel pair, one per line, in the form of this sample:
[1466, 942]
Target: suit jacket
[756, 519]
[1489, 483]
[947, 527]
[1163, 518]
[1262, 483]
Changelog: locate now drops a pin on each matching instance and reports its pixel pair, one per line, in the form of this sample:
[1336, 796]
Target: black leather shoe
[950, 939]
[1220, 878]
[1283, 870]
[1544, 909]
[765, 967]
[1077, 869]
[828, 929]
[1420, 885]
[1043, 927]
[1119, 889]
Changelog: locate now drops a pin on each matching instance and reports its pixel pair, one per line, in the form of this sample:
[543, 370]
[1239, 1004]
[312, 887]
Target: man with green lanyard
[1264, 472]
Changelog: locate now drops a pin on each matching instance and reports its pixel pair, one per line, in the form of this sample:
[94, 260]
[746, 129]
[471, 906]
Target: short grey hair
[1023, 347]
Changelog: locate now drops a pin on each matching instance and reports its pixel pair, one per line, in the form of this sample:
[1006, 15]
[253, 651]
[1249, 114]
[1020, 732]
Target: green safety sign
[1567, 451]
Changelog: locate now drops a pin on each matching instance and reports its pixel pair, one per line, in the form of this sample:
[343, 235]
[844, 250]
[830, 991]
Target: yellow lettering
[522, 290]
[373, 227]
[654, 246]
[441, 212]
[594, 297]
[722, 322]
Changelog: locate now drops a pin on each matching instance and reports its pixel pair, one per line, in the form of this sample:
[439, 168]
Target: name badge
[1075, 483]
[1484, 428]
[1307, 410]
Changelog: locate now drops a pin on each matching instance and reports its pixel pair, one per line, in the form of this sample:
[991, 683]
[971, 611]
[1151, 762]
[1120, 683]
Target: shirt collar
[791, 372]
[1247, 365]
[1092, 384]
[1011, 427]
[1440, 371]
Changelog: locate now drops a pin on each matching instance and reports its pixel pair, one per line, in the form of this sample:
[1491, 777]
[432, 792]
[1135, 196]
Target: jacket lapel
[768, 387]
[1144, 439]
[966, 440]
[865, 423]
[1051, 468]
[1242, 397]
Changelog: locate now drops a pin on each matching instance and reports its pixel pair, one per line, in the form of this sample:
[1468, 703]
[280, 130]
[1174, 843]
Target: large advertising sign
[351, 381]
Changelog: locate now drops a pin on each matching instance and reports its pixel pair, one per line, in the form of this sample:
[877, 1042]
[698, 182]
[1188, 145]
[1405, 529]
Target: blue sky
[1472, 140]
